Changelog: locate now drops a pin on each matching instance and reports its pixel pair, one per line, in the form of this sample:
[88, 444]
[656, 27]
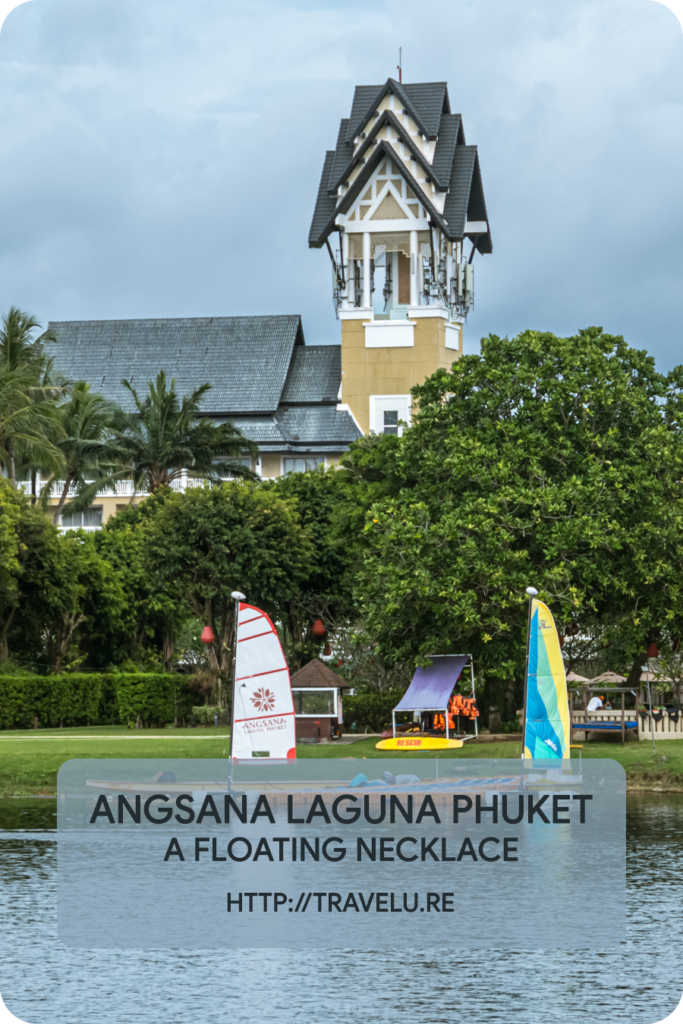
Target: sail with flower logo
[546, 725]
[264, 708]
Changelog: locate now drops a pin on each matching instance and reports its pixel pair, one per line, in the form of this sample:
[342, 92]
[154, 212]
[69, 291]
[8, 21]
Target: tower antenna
[399, 66]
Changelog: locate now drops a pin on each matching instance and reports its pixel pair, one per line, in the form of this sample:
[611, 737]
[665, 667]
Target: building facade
[280, 392]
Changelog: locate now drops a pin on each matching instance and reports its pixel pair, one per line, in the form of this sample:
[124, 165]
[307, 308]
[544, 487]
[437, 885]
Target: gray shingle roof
[442, 164]
[455, 207]
[324, 205]
[427, 101]
[465, 199]
[364, 97]
[318, 425]
[314, 374]
[343, 154]
[430, 99]
[246, 359]
[319, 428]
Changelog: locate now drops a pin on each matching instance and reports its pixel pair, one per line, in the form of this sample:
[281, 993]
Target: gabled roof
[453, 168]
[424, 101]
[387, 117]
[246, 358]
[378, 154]
[281, 393]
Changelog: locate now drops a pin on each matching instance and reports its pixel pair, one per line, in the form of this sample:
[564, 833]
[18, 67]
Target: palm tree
[91, 458]
[17, 345]
[27, 407]
[167, 436]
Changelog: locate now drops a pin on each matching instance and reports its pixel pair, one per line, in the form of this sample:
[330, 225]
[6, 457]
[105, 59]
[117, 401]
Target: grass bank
[29, 760]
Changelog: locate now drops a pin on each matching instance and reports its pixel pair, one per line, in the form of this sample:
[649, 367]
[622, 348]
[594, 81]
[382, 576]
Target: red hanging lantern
[207, 635]
[653, 651]
[318, 628]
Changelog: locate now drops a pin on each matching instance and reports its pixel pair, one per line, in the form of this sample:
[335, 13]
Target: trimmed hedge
[74, 699]
[153, 698]
[93, 698]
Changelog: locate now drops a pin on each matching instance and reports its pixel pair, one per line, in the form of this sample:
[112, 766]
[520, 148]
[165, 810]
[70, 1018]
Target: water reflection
[45, 983]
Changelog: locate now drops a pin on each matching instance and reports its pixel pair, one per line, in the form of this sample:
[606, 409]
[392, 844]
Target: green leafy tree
[158, 612]
[10, 563]
[84, 603]
[28, 550]
[211, 541]
[553, 462]
[325, 501]
[167, 436]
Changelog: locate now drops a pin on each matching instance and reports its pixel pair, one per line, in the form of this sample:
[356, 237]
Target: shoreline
[658, 786]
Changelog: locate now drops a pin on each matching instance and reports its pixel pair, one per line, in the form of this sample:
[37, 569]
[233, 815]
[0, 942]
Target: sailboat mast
[531, 593]
[237, 597]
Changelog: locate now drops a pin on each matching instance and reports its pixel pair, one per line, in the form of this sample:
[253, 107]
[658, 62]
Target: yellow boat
[419, 743]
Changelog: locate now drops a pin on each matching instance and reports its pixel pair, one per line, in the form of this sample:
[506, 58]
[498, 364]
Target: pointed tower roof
[427, 145]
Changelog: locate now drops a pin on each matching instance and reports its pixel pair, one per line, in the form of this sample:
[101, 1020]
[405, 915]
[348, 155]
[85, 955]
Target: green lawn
[29, 760]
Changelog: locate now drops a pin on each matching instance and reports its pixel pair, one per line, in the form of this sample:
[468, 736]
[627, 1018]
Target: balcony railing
[118, 489]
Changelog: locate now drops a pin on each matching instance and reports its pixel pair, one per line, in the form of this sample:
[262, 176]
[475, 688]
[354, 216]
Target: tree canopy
[545, 461]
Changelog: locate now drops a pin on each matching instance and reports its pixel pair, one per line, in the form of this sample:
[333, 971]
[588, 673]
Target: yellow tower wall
[391, 371]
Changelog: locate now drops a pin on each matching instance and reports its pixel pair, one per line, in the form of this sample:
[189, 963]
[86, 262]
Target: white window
[301, 465]
[387, 412]
[91, 519]
[315, 701]
[246, 462]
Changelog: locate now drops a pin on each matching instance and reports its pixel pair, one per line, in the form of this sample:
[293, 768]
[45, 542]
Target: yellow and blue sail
[546, 731]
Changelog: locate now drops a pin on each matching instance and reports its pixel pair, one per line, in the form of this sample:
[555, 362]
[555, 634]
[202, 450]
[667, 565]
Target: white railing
[117, 489]
[665, 729]
[86, 529]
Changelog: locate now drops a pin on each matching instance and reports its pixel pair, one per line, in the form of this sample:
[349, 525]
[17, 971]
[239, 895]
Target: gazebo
[317, 692]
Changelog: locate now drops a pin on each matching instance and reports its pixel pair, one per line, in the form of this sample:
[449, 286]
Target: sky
[161, 158]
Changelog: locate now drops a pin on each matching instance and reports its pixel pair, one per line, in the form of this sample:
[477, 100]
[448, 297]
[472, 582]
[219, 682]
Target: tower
[401, 211]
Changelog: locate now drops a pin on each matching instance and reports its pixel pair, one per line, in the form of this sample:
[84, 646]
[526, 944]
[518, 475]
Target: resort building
[401, 212]
[281, 393]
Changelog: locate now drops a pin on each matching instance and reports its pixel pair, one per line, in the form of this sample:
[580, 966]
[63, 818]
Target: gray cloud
[161, 158]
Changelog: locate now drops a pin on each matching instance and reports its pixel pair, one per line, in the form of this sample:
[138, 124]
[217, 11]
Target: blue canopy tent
[431, 688]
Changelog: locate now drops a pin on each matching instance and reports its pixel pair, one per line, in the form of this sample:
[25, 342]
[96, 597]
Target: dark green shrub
[372, 711]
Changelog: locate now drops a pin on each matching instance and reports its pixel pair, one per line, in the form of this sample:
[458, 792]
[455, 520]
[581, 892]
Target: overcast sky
[161, 158]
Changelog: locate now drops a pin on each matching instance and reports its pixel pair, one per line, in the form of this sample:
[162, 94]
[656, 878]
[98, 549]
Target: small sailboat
[546, 705]
[263, 722]
[263, 707]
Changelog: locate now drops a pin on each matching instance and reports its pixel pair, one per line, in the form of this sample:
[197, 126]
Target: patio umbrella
[609, 677]
[573, 677]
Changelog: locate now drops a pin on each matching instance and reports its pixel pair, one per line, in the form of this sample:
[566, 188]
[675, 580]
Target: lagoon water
[639, 982]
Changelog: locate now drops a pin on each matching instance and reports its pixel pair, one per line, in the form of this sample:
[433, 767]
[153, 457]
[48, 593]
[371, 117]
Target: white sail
[264, 708]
